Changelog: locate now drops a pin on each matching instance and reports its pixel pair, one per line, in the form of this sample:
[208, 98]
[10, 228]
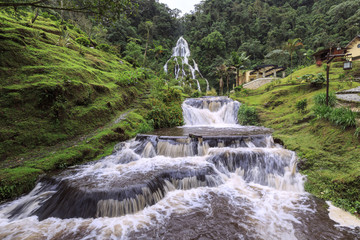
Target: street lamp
[347, 66]
[348, 63]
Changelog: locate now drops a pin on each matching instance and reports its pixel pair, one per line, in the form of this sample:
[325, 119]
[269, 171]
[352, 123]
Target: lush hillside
[53, 88]
[259, 27]
[66, 98]
[328, 154]
[54, 94]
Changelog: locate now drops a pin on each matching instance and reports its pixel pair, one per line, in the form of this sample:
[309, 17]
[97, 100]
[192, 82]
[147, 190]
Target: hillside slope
[52, 88]
[329, 155]
[57, 98]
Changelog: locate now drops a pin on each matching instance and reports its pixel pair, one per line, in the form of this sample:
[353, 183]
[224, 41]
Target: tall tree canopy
[107, 8]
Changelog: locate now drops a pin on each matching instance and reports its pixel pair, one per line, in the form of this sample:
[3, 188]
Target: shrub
[238, 88]
[343, 117]
[83, 41]
[71, 26]
[357, 132]
[172, 95]
[307, 77]
[322, 111]
[165, 115]
[301, 105]
[52, 17]
[196, 94]
[212, 92]
[320, 99]
[103, 47]
[247, 115]
[187, 89]
[45, 14]
[318, 81]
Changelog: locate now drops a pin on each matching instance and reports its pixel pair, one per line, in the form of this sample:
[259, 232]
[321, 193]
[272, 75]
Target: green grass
[57, 100]
[329, 154]
[20, 176]
[50, 93]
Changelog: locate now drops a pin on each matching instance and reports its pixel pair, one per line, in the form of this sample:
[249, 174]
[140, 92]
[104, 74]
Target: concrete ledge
[258, 83]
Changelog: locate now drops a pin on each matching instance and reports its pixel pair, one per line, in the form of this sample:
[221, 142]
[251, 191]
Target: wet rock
[303, 164]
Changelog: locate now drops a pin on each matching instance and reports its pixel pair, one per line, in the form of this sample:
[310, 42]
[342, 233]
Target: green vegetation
[59, 99]
[301, 105]
[50, 93]
[320, 99]
[328, 147]
[343, 117]
[268, 31]
[167, 112]
[247, 115]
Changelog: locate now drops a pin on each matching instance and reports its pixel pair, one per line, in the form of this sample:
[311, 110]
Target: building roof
[267, 68]
[358, 36]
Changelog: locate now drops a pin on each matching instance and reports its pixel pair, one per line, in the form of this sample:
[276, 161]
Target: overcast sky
[184, 5]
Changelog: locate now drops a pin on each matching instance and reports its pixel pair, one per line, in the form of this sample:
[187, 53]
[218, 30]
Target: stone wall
[258, 83]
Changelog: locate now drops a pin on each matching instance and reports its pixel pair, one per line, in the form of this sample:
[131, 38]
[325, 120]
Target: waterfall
[227, 182]
[182, 51]
[210, 111]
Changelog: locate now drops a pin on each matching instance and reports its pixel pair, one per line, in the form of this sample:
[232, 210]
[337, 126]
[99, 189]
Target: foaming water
[198, 186]
[218, 111]
[182, 51]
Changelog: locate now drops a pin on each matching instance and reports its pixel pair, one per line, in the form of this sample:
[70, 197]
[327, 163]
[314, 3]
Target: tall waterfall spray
[183, 69]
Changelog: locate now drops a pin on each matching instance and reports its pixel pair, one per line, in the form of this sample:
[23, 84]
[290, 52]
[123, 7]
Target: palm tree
[221, 71]
[238, 61]
[291, 46]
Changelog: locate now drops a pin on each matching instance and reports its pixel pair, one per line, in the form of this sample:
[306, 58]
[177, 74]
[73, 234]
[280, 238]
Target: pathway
[351, 95]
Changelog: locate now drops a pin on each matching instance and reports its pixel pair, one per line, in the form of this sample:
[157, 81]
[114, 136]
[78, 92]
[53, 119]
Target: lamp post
[347, 66]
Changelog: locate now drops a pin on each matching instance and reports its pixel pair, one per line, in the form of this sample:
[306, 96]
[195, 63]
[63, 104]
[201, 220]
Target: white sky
[184, 5]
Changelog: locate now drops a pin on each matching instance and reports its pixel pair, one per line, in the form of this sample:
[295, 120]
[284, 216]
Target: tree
[221, 71]
[214, 44]
[278, 57]
[148, 25]
[238, 61]
[224, 71]
[291, 46]
[133, 52]
[106, 8]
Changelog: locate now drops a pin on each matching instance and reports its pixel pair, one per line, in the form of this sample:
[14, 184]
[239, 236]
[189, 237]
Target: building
[265, 71]
[321, 55]
[353, 48]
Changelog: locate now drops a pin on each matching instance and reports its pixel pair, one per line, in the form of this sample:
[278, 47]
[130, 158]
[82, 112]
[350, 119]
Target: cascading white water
[219, 111]
[171, 187]
[182, 51]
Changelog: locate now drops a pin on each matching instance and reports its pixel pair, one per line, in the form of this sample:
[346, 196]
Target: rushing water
[182, 51]
[211, 179]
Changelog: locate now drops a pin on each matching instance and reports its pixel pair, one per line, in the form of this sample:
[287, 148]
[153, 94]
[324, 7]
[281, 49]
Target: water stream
[210, 179]
[182, 52]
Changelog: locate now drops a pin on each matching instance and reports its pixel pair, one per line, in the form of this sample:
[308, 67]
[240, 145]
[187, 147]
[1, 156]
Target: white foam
[342, 217]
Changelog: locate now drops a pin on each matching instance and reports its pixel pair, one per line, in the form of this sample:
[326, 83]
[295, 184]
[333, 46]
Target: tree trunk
[36, 15]
[62, 11]
[147, 43]
[237, 77]
[221, 86]
[227, 80]
[290, 66]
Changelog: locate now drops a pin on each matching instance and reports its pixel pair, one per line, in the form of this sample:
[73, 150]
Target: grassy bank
[329, 155]
[65, 101]
[57, 98]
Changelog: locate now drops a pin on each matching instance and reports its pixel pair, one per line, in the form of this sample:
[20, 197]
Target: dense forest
[215, 29]
[146, 33]
[261, 29]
